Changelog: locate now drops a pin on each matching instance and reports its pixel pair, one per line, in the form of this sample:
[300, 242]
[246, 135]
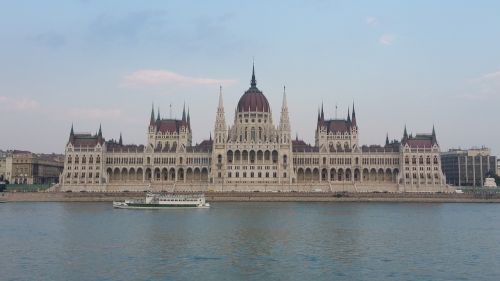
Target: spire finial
[120, 140]
[405, 133]
[387, 139]
[158, 117]
[71, 132]
[253, 83]
[100, 130]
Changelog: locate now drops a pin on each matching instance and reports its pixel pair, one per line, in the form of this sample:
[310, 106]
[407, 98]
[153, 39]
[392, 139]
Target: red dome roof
[253, 100]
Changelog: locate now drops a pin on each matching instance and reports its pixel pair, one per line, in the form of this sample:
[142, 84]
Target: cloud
[387, 39]
[129, 27]
[94, 113]
[372, 21]
[18, 104]
[159, 77]
[482, 88]
[51, 39]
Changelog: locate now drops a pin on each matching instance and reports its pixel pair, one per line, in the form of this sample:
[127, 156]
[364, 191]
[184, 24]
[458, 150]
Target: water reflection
[256, 241]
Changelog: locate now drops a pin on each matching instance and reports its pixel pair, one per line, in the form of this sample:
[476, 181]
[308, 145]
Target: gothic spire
[405, 134]
[348, 115]
[188, 119]
[158, 117]
[285, 103]
[434, 139]
[221, 103]
[99, 134]
[184, 112]
[387, 139]
[322, 112]
[71, 133]
[253, 83]
[120, 141]
[152, 119]
[354, 123]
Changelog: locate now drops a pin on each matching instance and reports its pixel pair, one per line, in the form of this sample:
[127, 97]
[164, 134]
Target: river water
[251, 241]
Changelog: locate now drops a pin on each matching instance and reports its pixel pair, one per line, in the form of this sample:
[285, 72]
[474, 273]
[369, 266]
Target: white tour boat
[164, 201]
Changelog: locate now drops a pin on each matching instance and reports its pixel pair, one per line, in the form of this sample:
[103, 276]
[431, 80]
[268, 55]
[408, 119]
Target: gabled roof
[170, 125]
[85, 139]
[337, 125]
[419, 141]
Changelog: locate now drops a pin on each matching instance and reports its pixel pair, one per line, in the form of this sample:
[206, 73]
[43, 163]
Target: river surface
[251, 241]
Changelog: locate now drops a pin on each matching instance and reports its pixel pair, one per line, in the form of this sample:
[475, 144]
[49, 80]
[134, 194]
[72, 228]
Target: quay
[478, 197]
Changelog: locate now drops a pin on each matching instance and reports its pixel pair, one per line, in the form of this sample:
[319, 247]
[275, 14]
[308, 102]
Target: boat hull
[121, 205]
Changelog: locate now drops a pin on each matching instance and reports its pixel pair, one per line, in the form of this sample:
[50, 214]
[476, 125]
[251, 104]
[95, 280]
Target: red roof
[170, 125]
[301, 146]
[336, 125]
[419, 143]
[85, 140]
[253, 100]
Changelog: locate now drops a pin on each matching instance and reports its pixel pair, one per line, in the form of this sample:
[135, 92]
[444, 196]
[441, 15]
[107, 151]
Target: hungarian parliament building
[252, 154]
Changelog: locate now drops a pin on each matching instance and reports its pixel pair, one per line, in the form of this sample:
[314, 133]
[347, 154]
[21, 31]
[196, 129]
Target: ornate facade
[253, 154]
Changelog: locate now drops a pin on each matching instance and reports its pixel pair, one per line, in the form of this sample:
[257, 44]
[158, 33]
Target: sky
[89, 62]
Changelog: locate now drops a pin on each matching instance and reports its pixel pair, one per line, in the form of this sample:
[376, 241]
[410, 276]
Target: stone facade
[24, 167]
[253, 154]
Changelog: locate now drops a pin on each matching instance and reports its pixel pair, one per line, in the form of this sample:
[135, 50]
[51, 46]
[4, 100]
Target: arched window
[77, 160]
[435, 160]
[98, 159]
[91, 159]
[69, 159]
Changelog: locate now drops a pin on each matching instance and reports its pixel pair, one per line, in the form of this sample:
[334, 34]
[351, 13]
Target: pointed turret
[322, 113]
[220, 122]
[348, 116]
[120, 141]
[405, 134]
[387, 139]
[99, 135]
[158, 117]
[152, 119]
[184, 113]
[284, 125]
[354, 123]
[71, 133]
[434, 139]
[188, 119]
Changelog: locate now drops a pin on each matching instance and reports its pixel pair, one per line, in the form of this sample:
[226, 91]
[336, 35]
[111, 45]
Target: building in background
[468, 167]
[3, 165]
[24, 167]
[498, 167]
[254, 153]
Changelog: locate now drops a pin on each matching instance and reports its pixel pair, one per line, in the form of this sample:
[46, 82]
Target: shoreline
[261, 197]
